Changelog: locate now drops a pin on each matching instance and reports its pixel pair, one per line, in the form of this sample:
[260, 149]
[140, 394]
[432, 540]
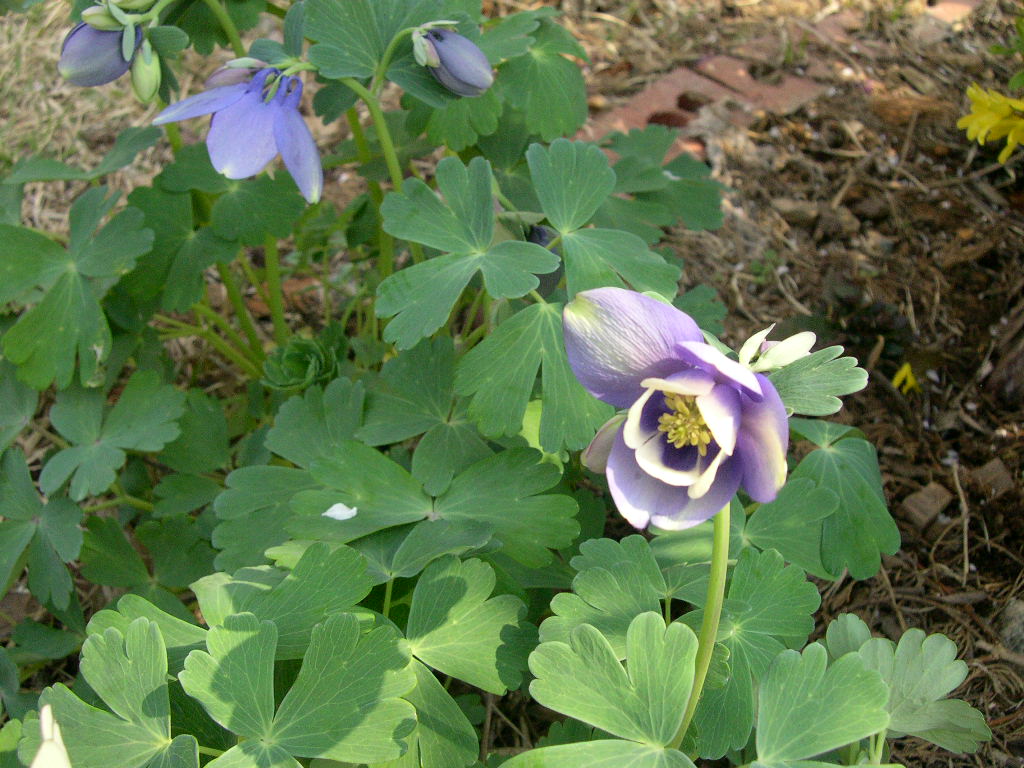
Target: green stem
[227, 329]
[241, 311]
[173, 131]
[387, 145]
[537, 297]
[210, 751]
[228, 25]
[712, 615]
[131, 501]
[877, 747]
[274, 10]
[184, 329]
[385, 242]
[387, 597]
[668, 610]
[275, 293]
[377, 83]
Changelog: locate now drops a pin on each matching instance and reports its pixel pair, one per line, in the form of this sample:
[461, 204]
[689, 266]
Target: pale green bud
[146, 73]
[133, 5]
[98, 17]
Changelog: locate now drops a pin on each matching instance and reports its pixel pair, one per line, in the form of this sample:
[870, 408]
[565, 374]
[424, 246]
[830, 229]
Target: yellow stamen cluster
[684, 425]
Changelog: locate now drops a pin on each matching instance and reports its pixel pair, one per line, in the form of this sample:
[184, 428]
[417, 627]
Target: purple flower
[252, 122]
[91, 56]
[699, 425]
[455, 61]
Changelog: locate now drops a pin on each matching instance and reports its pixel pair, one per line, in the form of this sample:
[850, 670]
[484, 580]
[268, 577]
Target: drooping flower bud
[146, 73]
[98, 17]
[92, 56]
[234, 72]
[460, 66]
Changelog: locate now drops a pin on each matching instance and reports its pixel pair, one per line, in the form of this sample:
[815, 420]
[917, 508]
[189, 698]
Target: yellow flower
[994, 116]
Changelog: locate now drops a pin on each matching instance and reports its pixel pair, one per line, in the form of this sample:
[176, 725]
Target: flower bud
[98, 17]
[92, 56]
[146, 73]
[234, 72]
[461, 66]
[133, 5]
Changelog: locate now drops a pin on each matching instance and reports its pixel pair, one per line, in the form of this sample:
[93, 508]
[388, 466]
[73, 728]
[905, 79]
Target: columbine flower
[994, 116]
[699, 425]
[455, 61]
[91, 56]
[52, 753]
[252, 122]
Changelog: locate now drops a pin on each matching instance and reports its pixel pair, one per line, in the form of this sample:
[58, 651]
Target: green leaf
[846, 634]
[206, 32]
[318, 423]
[17, 404]
[404, 551]
[15, 703]
[600, 257]
[811, 385]
[702, 304]
[862, 528]
[129, 673]
[691, 194]
[418, 397]
[127, 145]
[68, 322]
[456, 629]
[179, 551]
[443, 737]
[322, 583]
[343, 705]
[108, 558]
[600, 754]
[250, 210]
[805, 709]
[920, 672]
[422, 296]
[822, 433]
[506, 493]
[501, 371]
[571, 179]
[617, 581]
[792, 524]
[546, 87]
[643, 702]
[180, 494]
[143, 419]
[179, 637]
[768, 607]
[42, 536]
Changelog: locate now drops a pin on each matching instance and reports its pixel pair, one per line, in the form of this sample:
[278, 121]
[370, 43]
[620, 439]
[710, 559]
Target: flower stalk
[275, 293]
[228, 25]
[712, 617]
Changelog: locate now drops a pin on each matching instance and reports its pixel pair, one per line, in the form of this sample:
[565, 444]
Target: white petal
[785, 352]
[707, 477]
[340, 511]
[633, 433]
[753, 344]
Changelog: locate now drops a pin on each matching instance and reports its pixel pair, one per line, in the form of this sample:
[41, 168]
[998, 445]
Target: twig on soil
[965, 520]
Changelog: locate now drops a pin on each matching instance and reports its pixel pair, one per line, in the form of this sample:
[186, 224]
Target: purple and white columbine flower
[699, 425]
[252, 122]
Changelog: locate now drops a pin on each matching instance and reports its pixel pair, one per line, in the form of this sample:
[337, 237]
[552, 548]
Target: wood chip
[923, 507]
[993, 478]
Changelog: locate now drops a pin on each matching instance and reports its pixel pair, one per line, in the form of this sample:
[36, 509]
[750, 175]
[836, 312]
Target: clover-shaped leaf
[143, 419]
[323, 583]
[768, 607]
[806, 709]
[457, 628]
[920, 672]
[811, 386]
[66, 321]
[641, 703]
[344, 705]
[418, 398]
[42, 536]
[421, 297]
[861, 529]
[617, 581]
[17, 404]
[128, 671]
[501, 373]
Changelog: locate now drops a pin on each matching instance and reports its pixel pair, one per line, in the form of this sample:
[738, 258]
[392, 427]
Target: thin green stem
[537, 297]
[210, 751]
[228, 25]
[131, 501]
[227, 329]
[668, 610]
[227, 277]
[387, 145]
[385, 242]
[179, 328]
[388, 586]
[173, 131]
[377, 83]
[275, 293]
[712, 615]
[274, 10]
[877, 747]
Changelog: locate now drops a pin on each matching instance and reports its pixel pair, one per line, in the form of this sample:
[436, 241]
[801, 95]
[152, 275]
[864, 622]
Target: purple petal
[704, 356]
[296, 145]
[241, 139]
[643, 499]
[721, 411]
[762, 444]
[202, 103]
[91, 56]
[463, 68]
[616, 338]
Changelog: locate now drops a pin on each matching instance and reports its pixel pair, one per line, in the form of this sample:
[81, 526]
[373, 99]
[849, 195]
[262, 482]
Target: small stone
[798, 212]
[923, 507]
[993, 478]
